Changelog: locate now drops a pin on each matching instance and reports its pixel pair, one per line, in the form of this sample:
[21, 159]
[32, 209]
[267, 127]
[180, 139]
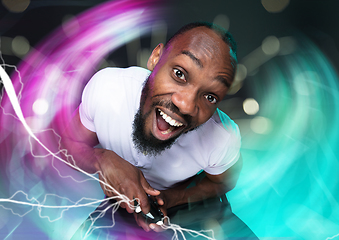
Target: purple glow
[48, 83]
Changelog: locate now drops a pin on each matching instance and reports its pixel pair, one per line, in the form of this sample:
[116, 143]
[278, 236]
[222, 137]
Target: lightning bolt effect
[52, 77]
[33, 202]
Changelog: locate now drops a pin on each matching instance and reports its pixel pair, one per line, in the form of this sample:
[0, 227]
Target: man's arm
[79, 143]
[115, 171]
[206, 186]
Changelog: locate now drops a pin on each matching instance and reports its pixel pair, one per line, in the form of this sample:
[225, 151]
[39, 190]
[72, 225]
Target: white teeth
[168, 130]
[170, 120]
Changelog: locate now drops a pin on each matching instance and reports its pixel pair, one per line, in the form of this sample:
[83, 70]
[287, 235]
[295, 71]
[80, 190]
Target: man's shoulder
[111, 73]
[113, 87]
[216, 143]
[219, 132]
[113, 80]
[223, 124]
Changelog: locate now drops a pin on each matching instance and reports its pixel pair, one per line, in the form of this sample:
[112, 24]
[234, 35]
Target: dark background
[250, 23]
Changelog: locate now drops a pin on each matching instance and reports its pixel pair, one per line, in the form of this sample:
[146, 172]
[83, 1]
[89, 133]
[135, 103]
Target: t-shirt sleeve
[90, 98]
[227, 150]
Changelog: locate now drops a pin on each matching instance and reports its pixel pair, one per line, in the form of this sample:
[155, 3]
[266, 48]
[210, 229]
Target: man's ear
[155, 56]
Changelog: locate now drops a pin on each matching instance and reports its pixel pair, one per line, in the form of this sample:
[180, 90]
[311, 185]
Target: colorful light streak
[33, 202]
[289, 177]
[70, 60]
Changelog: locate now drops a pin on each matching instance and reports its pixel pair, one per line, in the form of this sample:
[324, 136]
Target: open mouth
[166, 126]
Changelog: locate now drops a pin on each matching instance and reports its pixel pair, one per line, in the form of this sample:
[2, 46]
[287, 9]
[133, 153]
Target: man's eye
[211, 99]
[179, 74]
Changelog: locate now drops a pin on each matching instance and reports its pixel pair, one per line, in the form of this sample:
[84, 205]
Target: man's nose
[186, 101]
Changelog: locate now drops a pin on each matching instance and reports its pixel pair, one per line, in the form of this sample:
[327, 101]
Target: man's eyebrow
[196, 60]
[224, 80]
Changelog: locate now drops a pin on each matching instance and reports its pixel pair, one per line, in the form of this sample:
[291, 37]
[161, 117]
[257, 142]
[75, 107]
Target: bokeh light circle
[275, 6]
[261, 125]
[40, 106]
[270, 45]
[20, 46]
[250, 106]
[16, 6]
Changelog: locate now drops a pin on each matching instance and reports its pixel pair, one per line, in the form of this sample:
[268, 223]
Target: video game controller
[155, 215]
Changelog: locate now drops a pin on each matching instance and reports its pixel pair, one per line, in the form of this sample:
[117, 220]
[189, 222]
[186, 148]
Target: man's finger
[144, 203]
[130, 204]
[123, 205]
[156, 227]
[136, 218]
[160, 201]
[106, 189]
[147, 188]
[141, 222]
[165, 220]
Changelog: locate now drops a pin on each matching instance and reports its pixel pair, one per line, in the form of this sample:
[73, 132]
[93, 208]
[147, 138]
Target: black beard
[148, 145]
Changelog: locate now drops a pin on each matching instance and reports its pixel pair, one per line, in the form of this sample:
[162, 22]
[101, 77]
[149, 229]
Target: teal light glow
[289, 185]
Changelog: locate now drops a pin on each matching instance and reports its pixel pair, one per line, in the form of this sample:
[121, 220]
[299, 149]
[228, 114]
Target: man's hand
[142, 222]
[167, 198]
[116, 172]
[205, 186]
[124, 178]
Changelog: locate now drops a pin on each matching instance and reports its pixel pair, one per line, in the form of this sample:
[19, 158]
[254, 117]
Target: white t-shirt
[109, 102]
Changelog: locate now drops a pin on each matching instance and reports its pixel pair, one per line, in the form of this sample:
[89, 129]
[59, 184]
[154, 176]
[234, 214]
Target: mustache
[170, 105]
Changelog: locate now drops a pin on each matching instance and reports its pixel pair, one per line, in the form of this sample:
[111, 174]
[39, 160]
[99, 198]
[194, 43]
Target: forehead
[204, 43]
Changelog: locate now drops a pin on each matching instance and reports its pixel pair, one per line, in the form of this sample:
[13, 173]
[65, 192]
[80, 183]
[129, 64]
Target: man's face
[189, 78]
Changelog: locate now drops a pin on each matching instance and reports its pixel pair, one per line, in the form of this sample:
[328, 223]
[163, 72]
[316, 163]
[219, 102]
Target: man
[159, 127]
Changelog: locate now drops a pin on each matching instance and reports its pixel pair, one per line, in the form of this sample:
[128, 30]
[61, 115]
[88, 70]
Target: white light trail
[8, 86]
